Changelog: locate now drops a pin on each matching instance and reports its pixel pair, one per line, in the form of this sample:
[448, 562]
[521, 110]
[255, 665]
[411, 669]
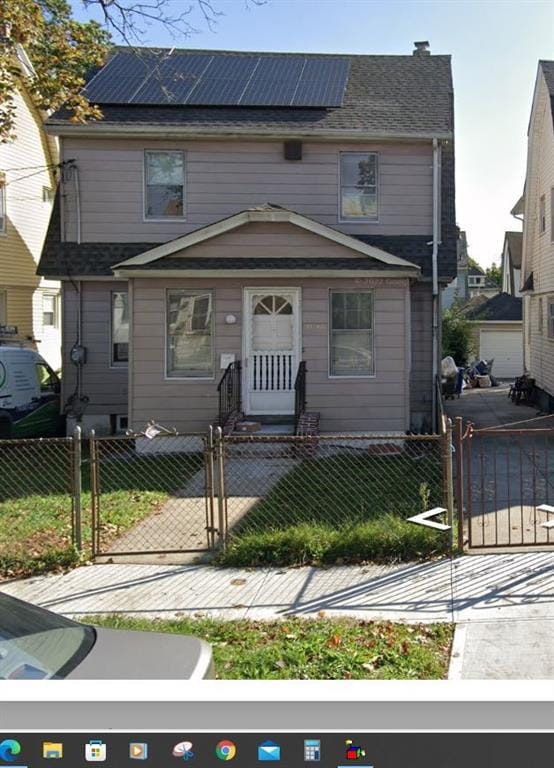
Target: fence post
[459, 448]
[209, 464]
[448, 474]
[94, 495]
[77, 488]
[220, 462]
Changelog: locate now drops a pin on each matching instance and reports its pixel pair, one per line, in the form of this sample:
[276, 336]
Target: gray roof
[475, 270]
[499, 308]
[548, 72]
[514, 241]
[386, 95]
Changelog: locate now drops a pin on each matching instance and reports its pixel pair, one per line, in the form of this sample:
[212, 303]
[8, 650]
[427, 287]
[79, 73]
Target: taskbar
[289, 749]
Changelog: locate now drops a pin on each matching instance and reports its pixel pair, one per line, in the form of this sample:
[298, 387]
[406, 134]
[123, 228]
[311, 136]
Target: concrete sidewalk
[503, 604]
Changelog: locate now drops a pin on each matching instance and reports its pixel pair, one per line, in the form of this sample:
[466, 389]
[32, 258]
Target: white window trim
[360, 219]
[552, 214]
[4, 296]
[542, 199]
[340, 377]
[56, 299]
[115, 365]
[194, 292]
[163, 219]
[550, 318]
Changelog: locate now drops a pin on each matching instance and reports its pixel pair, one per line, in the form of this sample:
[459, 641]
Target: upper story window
[164, 178]
[120, 328]
[552, 214]
[3, 215]
[358, 186]
[550, 317]
[542, 214]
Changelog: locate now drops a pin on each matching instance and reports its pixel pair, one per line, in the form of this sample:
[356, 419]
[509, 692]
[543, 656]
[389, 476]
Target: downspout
[435, 270]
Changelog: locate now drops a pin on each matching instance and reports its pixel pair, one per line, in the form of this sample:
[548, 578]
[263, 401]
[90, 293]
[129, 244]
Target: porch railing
[229, 389]
[299, 393]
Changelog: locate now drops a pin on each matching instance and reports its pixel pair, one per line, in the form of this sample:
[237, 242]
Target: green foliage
[457, 337]
[494, 275]
[61, 50]
[311, 649]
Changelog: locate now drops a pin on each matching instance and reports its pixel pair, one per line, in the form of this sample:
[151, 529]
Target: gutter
[126, 273]
[147, 130]
[435, 272]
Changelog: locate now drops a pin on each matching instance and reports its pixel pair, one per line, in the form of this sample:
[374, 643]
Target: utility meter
[78, 354]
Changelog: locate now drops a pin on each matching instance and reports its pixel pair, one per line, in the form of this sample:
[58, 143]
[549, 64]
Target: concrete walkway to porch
[503, 605]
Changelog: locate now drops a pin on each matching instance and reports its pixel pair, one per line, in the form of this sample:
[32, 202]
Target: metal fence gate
[153, 496]
[505, 486]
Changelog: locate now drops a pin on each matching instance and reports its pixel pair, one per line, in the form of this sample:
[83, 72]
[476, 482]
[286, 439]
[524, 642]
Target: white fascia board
[233, 222]
[254, 273]
[146, 130]
[496, 322]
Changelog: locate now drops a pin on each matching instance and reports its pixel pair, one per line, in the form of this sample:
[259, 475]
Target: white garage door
[507, 349]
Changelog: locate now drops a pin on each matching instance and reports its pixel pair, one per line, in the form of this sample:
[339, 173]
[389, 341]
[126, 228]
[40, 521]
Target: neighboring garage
[498, 333]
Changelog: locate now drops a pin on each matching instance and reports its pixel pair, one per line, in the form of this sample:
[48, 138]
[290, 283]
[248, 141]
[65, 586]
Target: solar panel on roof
[196, 79]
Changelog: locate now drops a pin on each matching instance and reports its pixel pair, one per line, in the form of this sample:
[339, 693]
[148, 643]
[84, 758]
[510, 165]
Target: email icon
[269, 750]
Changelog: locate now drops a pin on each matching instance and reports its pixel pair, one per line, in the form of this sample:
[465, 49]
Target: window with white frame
[540, 316]
[351, 333]
[358, 186]
[3, 214]
[550, 317]
[542, 214]
[120, 328]
[3, 308]
[190, 334]
[50, 309]
[164, 182]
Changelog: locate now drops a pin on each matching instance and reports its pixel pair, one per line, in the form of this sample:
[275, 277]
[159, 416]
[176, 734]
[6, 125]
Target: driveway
[507, 476]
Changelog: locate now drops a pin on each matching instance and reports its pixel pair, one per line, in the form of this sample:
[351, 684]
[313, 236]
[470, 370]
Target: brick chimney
[421, 48]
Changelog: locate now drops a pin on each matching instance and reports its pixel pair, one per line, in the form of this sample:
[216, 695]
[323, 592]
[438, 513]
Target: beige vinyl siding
[377, 403]
[224, 177]
[105, 386]
[538, 248]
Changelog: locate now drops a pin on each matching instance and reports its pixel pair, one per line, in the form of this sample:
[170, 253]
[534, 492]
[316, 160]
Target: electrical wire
[30, 167]
[27, 176]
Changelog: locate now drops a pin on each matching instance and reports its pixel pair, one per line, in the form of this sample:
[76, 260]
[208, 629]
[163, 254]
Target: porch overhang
[270, 273]
[171, 257]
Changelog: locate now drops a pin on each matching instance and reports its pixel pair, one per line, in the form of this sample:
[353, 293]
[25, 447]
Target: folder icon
[52, 750]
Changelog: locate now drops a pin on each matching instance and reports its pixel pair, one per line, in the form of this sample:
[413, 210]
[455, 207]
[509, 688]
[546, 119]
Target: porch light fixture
[230, 319]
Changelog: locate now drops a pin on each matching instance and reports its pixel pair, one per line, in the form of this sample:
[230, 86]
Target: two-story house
[27, 188]
[263, 209]
[538, 239]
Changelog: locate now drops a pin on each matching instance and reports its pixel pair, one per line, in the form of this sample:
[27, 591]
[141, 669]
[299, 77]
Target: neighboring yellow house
[27, 190]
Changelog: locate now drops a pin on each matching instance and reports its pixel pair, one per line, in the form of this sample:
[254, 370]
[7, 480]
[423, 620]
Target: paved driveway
[506, 476]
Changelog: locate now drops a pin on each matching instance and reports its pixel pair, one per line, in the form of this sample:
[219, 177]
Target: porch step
[252, 427]
[308, 424]
[267, 419]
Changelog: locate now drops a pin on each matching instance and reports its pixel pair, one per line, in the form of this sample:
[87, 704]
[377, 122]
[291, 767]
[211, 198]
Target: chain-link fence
[151, 495]
[291, 500]
[250, 499]
[37, 525]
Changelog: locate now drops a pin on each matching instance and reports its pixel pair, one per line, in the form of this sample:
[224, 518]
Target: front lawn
[345, 508]
[312, 649]
[35, 501]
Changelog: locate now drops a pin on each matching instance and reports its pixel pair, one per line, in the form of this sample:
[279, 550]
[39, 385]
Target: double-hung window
[351, 333]
[120, 328]
[3, 214]
[164, 179]
[358, 186]
[190, 335]
[50, 310]
[542, 214]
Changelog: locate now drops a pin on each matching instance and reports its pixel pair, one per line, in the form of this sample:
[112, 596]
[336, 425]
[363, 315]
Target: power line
[30, 167]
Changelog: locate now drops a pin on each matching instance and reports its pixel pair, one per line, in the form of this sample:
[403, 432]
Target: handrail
[229, 389]
[299, 393]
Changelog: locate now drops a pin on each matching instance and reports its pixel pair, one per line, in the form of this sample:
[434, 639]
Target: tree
[457, 337]
[494, 275]
[63, 50]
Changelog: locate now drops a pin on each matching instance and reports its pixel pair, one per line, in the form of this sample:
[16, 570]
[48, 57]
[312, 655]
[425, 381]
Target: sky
[495, 46]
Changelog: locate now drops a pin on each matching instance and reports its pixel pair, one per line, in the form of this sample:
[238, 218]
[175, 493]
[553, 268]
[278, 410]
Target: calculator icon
[312, 751]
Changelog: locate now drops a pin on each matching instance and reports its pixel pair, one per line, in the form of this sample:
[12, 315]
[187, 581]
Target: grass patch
[35, 502]
[346, 509]
[312, 649]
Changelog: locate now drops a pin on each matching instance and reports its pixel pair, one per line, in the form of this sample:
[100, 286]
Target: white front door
[272, 349]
